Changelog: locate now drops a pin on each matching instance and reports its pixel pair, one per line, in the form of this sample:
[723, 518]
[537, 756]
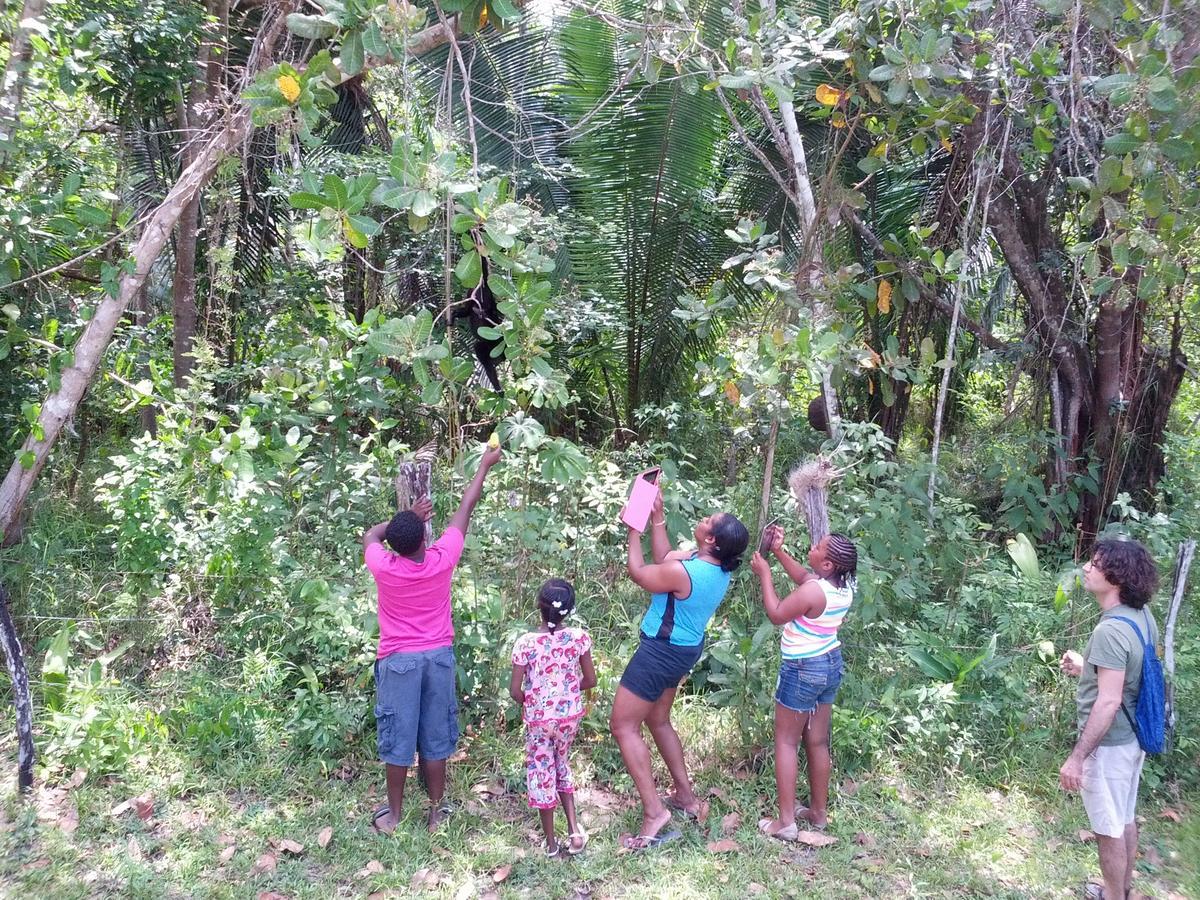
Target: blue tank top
[682, 622]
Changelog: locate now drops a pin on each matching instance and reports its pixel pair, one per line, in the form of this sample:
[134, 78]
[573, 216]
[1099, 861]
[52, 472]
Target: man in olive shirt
[1106, 764]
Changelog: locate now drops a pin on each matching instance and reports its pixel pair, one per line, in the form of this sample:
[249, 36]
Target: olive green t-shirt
[1115, 645]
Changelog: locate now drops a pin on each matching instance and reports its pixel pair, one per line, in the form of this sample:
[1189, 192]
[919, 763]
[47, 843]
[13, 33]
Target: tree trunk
[19, 677]
[16, 73]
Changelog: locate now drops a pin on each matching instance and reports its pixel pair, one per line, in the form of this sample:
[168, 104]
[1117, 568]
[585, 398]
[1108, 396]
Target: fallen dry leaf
[374, 867]
[1085, 836]
[324, 837]
[120, 809]
[755, 888]
[265, 863]
[501, 873]
[68, 821]
[227, 854]
[730, 823]
[78, 778]
[850, 788]
[423, 878]
[143, 805]
[727, 845]
[226, 839]
[864, 840]
[815, 838]
[293, 847]
[36, 864]
[870, 862]
[271, 895]
[1173, 814]
[489, 894]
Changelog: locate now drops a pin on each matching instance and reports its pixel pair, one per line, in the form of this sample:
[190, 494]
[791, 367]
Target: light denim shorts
[416, 706]
[804, 683]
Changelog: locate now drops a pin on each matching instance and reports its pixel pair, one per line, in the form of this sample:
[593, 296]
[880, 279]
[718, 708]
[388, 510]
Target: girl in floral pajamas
[551, 668]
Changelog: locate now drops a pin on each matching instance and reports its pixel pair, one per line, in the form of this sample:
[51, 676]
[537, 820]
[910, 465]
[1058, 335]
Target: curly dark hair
[405, 532]
[1129, 566]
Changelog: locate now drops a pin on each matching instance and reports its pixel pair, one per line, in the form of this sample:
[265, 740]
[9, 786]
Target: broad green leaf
[311, 28]
[352, 53]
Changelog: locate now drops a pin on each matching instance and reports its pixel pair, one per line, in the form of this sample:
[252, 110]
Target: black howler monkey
[480, 310]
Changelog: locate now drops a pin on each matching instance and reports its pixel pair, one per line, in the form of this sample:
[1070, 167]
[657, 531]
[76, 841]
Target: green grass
[899, 833]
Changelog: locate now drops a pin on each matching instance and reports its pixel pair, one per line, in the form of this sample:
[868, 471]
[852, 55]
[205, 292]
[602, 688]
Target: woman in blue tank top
[686, 588]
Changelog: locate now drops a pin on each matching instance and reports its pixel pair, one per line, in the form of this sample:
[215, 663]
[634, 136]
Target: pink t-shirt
[414, 598]
[553, 677]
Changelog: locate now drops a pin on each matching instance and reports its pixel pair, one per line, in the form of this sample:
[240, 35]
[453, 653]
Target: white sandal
[583, 836]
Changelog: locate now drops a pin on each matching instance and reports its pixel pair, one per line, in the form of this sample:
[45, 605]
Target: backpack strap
[1146, 648]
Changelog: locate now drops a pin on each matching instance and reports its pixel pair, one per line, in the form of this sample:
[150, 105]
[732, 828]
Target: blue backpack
[1150, 714]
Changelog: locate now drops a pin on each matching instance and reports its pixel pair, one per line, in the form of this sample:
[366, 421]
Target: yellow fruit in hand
[289, 87]
[494, 441]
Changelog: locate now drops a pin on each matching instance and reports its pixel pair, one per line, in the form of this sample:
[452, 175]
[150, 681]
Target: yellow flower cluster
[289, 87]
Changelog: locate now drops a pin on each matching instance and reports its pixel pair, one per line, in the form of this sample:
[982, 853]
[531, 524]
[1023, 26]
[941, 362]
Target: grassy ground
[216, 828]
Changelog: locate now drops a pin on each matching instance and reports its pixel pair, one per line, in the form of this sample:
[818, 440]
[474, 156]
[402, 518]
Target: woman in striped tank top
[811, 670]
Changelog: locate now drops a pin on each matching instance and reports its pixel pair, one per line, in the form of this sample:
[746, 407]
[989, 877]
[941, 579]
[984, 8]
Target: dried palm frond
[810, 486]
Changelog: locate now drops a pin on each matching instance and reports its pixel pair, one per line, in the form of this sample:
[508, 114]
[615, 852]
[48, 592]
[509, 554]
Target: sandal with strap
[638, 843]
[699, 815]
[572, 850]
[788, 833]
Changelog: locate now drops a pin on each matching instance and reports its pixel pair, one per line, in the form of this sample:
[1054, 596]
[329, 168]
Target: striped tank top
[804, 638]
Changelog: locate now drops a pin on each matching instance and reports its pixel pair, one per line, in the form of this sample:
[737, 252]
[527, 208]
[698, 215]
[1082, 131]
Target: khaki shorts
[1110, 787]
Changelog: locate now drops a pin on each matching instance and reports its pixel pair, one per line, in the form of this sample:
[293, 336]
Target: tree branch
[988, 339]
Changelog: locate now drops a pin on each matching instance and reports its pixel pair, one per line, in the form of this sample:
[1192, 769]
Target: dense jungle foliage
[257, 254]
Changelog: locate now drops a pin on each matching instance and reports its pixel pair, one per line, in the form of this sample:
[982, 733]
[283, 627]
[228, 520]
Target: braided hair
[840, 551]
[556, 601]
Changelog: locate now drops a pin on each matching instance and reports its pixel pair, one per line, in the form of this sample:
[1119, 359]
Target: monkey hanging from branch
[480, 310]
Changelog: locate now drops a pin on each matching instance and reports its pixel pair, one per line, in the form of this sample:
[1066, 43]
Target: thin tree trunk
[19, 676]
[16, 72]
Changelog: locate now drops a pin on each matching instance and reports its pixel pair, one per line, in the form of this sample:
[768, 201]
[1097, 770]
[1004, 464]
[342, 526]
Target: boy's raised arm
[462, 517]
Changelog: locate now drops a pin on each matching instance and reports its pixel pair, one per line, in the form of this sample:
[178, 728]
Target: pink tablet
[641, 499]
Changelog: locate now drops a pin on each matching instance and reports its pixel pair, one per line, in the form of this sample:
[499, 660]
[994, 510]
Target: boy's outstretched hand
[759, 565]
[423, 508]
[490, 457]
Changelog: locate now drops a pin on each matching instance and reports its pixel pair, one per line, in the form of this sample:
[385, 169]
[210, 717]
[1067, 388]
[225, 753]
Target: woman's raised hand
[776, 542]
[759, 565]
[656, 508]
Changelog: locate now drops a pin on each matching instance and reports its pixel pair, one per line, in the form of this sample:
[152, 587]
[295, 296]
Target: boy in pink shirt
[417, 702]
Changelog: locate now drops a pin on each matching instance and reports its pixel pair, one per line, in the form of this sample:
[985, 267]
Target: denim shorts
[416, 706]
[805, 683]
[658, 666]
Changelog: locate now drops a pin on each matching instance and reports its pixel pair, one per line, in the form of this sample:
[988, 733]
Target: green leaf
[91, 215]
[469, 270]
[504, 10]
[11, 310]
[311, 28]
[1022, 551]
[336, 192]
[27, 459]
[365, 224]
[352, 53]
[307, 200]
[423, 204]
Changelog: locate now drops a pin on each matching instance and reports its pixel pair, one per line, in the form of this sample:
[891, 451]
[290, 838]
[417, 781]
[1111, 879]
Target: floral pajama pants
[547, 768]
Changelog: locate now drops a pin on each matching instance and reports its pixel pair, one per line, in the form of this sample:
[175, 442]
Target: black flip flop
[379, 814]
[640, 843]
